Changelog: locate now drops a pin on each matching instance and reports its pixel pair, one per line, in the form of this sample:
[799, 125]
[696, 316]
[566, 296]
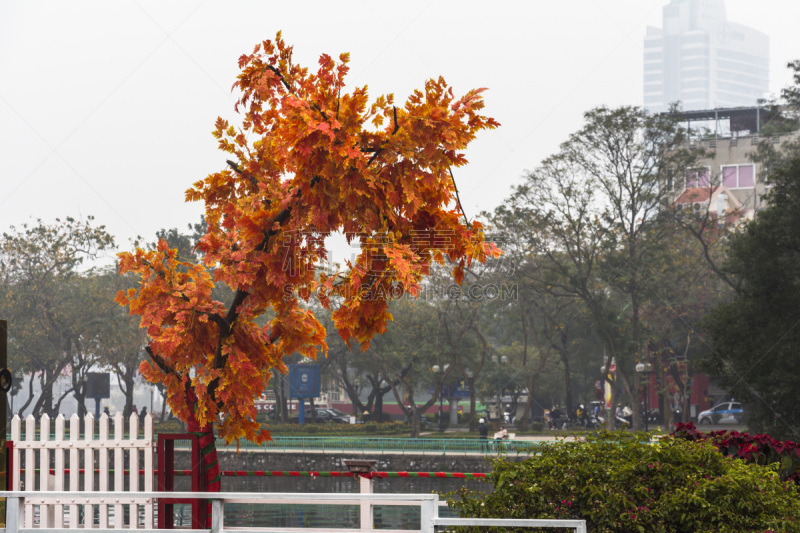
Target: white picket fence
[80, 510]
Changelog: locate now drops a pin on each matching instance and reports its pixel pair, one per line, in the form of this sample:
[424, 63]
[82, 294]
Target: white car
[728, 413]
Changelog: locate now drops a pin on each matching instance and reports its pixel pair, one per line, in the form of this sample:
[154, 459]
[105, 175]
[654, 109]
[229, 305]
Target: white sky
[106, 108]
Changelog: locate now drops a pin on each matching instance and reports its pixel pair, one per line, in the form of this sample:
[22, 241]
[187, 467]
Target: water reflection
[307, 516]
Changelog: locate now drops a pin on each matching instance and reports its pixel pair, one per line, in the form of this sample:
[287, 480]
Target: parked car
[322, 415]
[333, 415]
[724, 413]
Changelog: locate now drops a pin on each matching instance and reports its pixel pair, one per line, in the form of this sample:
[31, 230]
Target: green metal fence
[401, 445]
[383, 445]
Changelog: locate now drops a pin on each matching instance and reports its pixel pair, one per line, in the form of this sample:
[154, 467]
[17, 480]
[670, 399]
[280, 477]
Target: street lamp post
[439, 370]
[503, 360]
[644, 369]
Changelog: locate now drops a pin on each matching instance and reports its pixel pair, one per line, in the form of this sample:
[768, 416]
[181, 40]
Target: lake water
[386, 517]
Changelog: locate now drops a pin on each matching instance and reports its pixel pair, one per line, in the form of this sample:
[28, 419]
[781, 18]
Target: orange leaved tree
[309, 160]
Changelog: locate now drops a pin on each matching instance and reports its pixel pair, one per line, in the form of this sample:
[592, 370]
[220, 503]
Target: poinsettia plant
[759, 449]
[309, 159]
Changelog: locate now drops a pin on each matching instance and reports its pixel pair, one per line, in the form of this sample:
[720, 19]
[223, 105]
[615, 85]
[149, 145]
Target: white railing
[60, 508]
[428, 504]
[76, 458]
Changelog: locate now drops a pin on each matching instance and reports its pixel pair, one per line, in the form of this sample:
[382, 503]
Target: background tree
[119, 341]
[311, 160]
[462, 314]
[594, 216]
[682, 289]
[756, 336]
[50, 301]
[539, 323]
[406, 354]
[359, 372]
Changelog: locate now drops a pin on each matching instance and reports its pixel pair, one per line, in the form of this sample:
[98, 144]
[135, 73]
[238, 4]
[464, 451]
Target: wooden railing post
[12, 514]
[364, 469]
[46, 514]
[217, 516]
[104, 468]
[429, 509]
[365, 486]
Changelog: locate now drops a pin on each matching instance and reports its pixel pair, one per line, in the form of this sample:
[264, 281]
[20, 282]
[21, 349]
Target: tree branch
[161, 362]
[458, 198]
[383, 145]
[249, 177]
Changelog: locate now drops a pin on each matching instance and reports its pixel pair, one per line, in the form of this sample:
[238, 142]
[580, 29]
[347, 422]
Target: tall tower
[702, 60]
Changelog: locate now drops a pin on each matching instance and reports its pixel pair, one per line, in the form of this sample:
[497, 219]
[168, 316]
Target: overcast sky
[106, 108]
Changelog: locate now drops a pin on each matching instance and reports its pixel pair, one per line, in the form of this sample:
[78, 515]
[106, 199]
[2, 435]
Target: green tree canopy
[756, 336]
[49, 301]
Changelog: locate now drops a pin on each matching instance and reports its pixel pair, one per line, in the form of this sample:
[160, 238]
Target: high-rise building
[702, 60]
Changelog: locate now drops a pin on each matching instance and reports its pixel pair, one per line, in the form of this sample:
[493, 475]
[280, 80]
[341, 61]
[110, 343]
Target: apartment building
[727, 179]
[702, 60]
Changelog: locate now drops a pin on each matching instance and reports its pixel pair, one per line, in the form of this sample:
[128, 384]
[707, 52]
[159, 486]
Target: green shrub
[536, 427]
[172, 425]
[620, 483]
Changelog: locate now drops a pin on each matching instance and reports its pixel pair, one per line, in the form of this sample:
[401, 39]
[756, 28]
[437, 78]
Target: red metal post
[166, 481]
[9, 465]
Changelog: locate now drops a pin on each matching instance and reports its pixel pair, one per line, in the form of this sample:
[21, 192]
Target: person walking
[483, 432]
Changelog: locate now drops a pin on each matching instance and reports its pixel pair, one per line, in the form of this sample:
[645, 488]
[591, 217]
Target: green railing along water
[335, 444]
[342, 444]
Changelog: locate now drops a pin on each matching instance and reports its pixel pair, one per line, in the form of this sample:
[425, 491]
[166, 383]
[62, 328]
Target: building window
[698, 177]
[738, 176]
[332, 391]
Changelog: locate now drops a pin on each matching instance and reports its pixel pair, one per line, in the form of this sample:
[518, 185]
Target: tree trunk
[570, 401]
[664, 397]
[528, 413]
[377, 407]
[126, 378]
[45, 402]
[473, 405]
[282, 399]
[80, 398]
[208, 454]
[350, 388]
[79, 392]
[57, 407]
[163, 392]
[638, 355]
[636, 394]
[684, 386]
[30, 397]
